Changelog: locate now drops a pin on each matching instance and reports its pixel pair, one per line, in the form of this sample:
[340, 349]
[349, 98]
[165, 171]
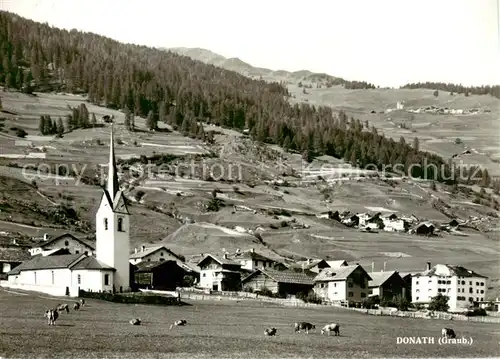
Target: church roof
[71, 261]
[91, 263]
[112, 185]
[48, 262]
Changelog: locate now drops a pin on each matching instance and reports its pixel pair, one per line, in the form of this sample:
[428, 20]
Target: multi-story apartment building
[463, 287]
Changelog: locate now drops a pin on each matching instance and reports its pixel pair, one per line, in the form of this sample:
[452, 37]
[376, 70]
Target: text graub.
[433, 340]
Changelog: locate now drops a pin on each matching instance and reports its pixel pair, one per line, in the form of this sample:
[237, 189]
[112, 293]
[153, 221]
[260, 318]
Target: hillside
[196, 183]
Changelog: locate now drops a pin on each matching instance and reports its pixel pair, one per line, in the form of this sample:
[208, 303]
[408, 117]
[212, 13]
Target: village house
[252, 260]
[386, 285]
[343, 284]
[406, 277]
[219, 274]
[285, 282]
[66, 274]
[11, 257]
[163, 275]
[394, 224]
[312, 265]
[73, 244]
[153, 254]
[462, 286]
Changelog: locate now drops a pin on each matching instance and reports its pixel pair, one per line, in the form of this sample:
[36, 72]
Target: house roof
[379, 278]
[286, 276]
[47, 262]
[150, 250]
[427, 224]
[311, 264]
[54, 251]
[50, 241]
[252, 255]
[91, 263]
[219, 260]
[337, 263]
[14, 254]
[405, 274]
[458, 271]
[147, 266]
[340, 273]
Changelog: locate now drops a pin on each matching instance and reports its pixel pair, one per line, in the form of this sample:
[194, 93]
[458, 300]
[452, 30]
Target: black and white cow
[334, 327]
[178, 323]
[304, 326]
[448, 333]
[51, 315]
[271, 332]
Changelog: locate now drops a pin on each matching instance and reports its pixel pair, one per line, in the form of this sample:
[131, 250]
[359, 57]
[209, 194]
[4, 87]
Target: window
[471, 290]
[204, 275]
[77, 252]
[363, 285]
[106, 279]
[363, 295]
[162, 259]
[470, 282]
[79, 279]
[477, 291]
[334, 284]
[463, 282]
[351, 294]
[322, 285]
[448, 282]
[66, 243]
[161, 254]
[52, 273]
[477, 283]
[417, 298]
[439, 282]
[105, 224]
[471, 299]
[86, 253]
[482, 284]
[416, 282]
[482, 291]
[477, 299]
[349, 284]
[418, 291]
[120, 225]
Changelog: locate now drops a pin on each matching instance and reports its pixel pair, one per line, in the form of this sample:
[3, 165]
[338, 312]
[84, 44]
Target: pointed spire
[112, 186]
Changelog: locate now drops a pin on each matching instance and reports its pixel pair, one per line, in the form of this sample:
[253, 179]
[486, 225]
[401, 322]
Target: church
[108, 271]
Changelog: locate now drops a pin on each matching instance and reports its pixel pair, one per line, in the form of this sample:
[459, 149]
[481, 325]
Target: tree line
[165, 87]
[453, 88]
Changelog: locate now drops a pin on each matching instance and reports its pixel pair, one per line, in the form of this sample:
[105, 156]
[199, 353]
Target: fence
[428, 315]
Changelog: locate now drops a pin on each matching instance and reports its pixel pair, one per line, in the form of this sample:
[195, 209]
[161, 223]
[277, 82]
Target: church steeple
[112, 185]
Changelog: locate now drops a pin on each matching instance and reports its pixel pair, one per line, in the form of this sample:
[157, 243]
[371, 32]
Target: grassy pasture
[220, 329]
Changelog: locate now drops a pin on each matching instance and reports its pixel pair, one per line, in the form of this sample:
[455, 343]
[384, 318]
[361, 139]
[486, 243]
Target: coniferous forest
[166, 87]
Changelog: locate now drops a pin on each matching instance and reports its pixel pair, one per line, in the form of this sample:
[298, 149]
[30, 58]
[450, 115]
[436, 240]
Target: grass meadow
[219, 330]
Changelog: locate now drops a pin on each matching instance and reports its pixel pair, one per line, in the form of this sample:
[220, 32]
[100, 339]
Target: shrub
[130, 298]
[477, 312]
[309, 297]
[21, 133]
[370, 302]
[248, 289]
[265, 292]
[439, 303]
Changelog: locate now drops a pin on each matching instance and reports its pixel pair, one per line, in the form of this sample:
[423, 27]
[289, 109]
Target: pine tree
[162, 112]
[60, 127]
[151, 121]
[416, 144]
[41, 125]
[93, 121]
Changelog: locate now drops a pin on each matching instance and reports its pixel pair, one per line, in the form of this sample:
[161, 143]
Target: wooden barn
[162, 275]
[279, 282]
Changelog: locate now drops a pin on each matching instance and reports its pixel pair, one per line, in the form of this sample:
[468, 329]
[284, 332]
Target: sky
[385, 42]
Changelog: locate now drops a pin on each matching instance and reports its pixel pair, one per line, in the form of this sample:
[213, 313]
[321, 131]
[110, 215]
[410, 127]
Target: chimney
[135, 250]
[308, 260]
[428, 265]
[14, 241]
[225, 255]
[45, 236]
[384, 266]
[143, 248]
[373, 267]
[252, 250]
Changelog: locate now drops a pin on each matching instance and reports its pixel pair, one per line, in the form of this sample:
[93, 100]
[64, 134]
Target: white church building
[109, 270]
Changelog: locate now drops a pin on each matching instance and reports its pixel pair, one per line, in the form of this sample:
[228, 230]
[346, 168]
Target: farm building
[287, 282]
[464, 287]
[219, 274]
[163, 275]
[346, 283]
[386, 285]
[394, 224]
[312, 265]
[406, 277]
[11, 257]
[73, 244]
[107, 271]
[153, 254]
[252, 260]
[425, 229]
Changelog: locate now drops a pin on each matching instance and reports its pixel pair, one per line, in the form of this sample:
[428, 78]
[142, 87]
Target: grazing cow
[76, 306]
[51, 316]
[304, 326]
[334, 327]
[63, 307]
[271, 332]
[135, 321]
[448, 333]
[82, 301]
[179, 323]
